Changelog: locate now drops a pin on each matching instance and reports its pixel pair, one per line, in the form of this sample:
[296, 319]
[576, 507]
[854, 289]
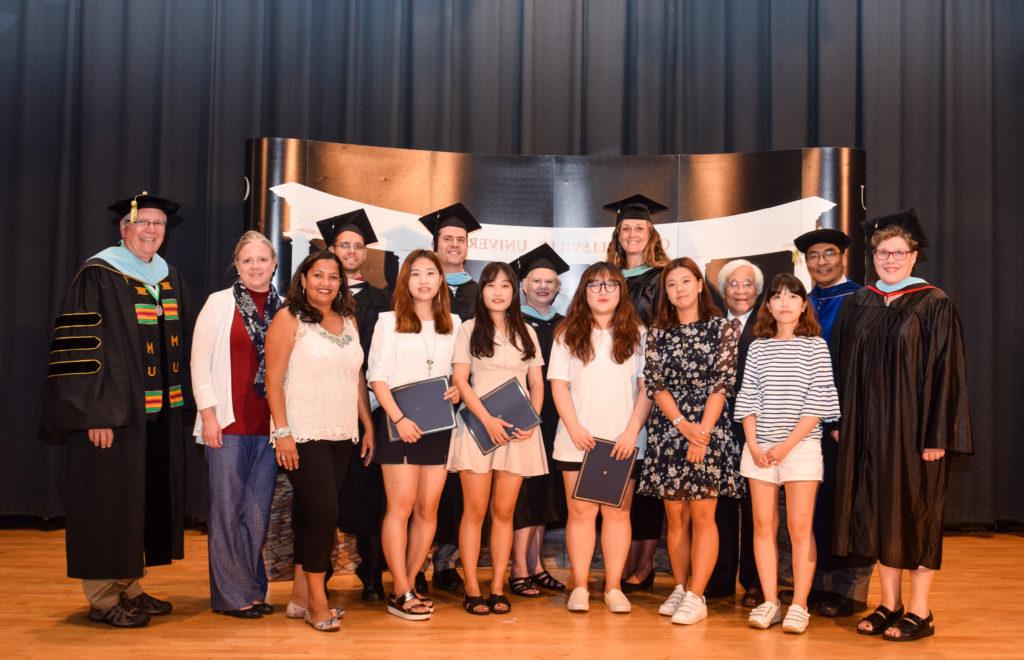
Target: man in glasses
[362, 497]
[114, 396]
[740, 283]
[840, 583]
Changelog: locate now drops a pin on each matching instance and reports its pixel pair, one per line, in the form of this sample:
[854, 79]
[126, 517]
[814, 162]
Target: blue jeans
[242, 474]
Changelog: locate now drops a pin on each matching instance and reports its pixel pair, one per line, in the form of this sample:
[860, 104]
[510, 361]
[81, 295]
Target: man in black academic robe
[363, 500]
[114, 394]
[741, 283]
[450, 228]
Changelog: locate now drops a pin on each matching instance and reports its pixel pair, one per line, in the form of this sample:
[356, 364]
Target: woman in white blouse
[317, 395]
[414, 342]
[228, 369]
[596, 374]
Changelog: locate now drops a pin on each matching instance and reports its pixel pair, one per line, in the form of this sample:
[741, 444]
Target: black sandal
[496, 600]
[546, 580]
[911, 627]
[472, 603]
[880, 620]
[408, 606]
[523, 587]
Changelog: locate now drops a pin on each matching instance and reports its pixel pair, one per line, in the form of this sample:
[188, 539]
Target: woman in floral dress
[692, 457]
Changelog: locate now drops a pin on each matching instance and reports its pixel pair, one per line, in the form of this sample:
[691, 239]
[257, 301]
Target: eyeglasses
[827, 255]
[345, 247]
[898, 255]
[610, 286]
[152, 224]
[736, 284]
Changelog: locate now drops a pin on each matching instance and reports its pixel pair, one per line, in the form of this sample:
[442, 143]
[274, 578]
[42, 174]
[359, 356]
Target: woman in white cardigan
[234, 423]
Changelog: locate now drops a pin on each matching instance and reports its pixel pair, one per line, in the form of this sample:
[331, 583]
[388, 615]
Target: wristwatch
[675, 422]
[282, 432]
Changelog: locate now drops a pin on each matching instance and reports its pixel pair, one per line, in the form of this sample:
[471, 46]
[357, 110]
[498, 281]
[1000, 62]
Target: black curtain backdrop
[102, 98]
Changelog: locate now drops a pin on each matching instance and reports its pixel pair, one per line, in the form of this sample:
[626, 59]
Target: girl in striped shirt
[787, 392]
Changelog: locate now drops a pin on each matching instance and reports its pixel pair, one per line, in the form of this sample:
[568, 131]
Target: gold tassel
[796, 256]
[134, 214]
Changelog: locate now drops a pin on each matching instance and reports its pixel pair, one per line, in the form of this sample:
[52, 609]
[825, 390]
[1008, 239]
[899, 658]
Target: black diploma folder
[603, 479]
[423, 402]
[508, 402]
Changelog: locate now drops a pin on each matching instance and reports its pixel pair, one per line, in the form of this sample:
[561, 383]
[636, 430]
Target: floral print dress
[691, 361]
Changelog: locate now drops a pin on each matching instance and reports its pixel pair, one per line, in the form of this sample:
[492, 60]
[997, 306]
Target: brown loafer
[752, 597]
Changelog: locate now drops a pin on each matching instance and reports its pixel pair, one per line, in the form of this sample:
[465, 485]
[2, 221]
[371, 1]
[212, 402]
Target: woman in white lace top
[317, 395]
[413, 343]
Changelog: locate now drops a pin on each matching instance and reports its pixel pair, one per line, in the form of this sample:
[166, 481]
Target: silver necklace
[430, 353]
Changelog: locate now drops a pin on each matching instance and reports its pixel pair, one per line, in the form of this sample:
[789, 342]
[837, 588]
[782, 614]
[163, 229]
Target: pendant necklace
[430, 353]
[154, 293]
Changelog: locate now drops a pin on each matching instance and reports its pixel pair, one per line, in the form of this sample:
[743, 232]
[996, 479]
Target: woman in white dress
[414, 342]
[493, 347]
[596, 375]
[317, 396]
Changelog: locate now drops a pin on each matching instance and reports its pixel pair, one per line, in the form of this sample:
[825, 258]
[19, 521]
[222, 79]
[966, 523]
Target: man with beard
[840, 583]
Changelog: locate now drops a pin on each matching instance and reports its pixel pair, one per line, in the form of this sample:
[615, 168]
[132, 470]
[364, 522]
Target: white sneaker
[765, 615]
[672, 603]
[797, 619]
[693, 609]
[579, 600]
[617, 602]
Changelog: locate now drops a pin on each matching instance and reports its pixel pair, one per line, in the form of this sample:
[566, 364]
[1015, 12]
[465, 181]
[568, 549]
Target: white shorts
[802, 463]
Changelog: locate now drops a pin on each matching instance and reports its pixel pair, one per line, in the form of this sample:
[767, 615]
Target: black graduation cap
[356, 221]
[635, 207]
[131, 205]
[456, 215]
[906, 220]
[542, 256]
[835, 237]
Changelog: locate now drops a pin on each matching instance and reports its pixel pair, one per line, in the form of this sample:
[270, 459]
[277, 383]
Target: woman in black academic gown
[903, 393]
[636, 249]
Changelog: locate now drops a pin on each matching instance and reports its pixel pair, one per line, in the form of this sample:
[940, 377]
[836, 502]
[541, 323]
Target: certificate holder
[507, 402]
[423, 402]
[603, 479]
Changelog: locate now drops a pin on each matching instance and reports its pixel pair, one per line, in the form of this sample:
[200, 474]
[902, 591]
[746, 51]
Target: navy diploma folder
[423, 402]
[508, 402]
[603, 479]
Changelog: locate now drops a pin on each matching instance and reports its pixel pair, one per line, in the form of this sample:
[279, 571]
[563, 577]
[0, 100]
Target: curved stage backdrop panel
[721, 206]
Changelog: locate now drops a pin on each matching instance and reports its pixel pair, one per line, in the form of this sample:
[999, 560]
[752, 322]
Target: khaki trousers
[104, 594]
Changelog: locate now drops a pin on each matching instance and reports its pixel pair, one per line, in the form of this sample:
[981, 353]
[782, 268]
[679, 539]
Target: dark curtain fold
[106, 97]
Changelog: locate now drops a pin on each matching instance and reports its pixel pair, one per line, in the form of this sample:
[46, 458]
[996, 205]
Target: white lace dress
[321, 387]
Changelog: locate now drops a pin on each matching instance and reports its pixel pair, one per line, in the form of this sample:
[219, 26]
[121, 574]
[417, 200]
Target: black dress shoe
[420, 583]
[121, 615]
[719, 592]
[263, 608]
[152, 606]
[834, 606]
[247, 613]
[642, 585]
[447, 579]
[752, 597]
[373, 593]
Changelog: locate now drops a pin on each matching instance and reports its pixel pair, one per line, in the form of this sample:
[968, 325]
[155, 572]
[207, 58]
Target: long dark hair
[578, 324]
[296, 302]
[405, 309]
[766, 327]
[665, 315]
[481, 342]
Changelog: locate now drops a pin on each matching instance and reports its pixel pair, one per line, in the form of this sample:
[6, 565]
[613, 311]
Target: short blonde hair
[893, 231]
[253, 236]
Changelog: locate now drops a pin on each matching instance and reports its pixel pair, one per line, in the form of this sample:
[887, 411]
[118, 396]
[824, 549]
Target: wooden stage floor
[978, 611]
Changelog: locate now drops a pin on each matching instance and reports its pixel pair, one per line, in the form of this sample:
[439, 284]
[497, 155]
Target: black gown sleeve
[88, 383]
[945, 417]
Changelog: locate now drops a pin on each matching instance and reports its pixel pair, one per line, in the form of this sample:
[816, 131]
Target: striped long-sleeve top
[786, 379]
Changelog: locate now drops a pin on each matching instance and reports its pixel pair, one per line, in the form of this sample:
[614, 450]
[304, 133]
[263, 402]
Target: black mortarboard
[542, 256]
[635, 207]
[143, 200]
[835, 237]
[456, 215]
[356, 221]
[906, 220]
